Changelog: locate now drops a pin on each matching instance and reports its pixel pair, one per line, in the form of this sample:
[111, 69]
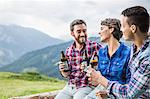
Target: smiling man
[77, 86]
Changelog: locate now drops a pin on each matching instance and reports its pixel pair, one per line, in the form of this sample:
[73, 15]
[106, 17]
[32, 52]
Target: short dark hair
[113, 23]
[76, 22]
[138, 16]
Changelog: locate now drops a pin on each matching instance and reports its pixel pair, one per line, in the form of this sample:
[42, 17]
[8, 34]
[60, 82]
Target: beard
[81, 39]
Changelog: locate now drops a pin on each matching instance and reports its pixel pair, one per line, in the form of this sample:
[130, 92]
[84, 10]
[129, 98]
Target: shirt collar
[144, 46]
[118, 51]
[73, 46]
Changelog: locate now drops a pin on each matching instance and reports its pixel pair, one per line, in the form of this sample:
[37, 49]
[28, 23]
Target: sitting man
[77, 86]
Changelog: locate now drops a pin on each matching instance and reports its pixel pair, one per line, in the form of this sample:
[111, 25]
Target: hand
[101, 94]
[94, 76]
[62, 69]
[61, 66]
[82, 66]
[97, 78]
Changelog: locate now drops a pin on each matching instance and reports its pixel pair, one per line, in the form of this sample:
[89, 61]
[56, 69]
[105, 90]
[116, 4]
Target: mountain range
[43, 60]
[32, 49]
[17, 40]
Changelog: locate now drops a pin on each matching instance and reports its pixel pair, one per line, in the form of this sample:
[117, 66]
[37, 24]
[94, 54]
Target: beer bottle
[85, 61]
[94, 60]
[63, 58]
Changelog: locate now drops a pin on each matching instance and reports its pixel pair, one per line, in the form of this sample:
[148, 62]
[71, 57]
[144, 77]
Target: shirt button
[107, 71]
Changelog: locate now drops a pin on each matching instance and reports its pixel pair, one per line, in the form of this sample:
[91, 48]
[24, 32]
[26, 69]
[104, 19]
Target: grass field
[12, 84]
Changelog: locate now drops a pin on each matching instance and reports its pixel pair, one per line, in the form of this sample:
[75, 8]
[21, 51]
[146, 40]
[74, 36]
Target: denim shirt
[115, 68]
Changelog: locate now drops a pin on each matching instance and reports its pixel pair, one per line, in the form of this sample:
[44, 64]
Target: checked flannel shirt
[75, 57]
[139, 84]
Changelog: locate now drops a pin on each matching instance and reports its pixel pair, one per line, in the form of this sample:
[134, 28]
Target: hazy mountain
[43, 60]
[16, 41]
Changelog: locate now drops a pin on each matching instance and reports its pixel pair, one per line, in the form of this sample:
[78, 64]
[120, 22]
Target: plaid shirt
[139, 84]
[75, 57]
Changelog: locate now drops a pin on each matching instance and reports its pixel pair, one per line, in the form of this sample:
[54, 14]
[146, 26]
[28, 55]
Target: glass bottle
[63, 58]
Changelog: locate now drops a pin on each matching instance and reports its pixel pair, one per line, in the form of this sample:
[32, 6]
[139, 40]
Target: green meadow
[12, 84]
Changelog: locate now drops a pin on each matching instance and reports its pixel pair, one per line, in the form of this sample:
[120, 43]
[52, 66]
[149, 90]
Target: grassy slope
[10, 87]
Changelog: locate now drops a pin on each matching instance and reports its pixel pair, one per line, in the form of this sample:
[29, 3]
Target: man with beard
[77, 86]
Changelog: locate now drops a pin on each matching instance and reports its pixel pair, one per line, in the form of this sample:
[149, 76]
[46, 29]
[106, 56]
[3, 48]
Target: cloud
[54, 16]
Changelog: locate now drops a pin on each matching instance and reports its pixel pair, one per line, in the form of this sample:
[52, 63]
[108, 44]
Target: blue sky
[53, 17]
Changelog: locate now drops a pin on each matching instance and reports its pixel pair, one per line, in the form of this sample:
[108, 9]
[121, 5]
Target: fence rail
[47, 95]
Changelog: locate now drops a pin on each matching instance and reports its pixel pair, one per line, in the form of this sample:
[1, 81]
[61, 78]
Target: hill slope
[43, 60]
[16, 41]
[10, 86]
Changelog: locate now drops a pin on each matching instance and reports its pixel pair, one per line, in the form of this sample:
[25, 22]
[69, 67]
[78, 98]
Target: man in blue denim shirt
[114, 58]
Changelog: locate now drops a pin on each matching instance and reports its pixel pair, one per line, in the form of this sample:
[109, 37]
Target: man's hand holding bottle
[63, 65]
[64, 71]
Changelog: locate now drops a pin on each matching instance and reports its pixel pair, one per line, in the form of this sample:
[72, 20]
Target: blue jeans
[71, 92]
[92, 95]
